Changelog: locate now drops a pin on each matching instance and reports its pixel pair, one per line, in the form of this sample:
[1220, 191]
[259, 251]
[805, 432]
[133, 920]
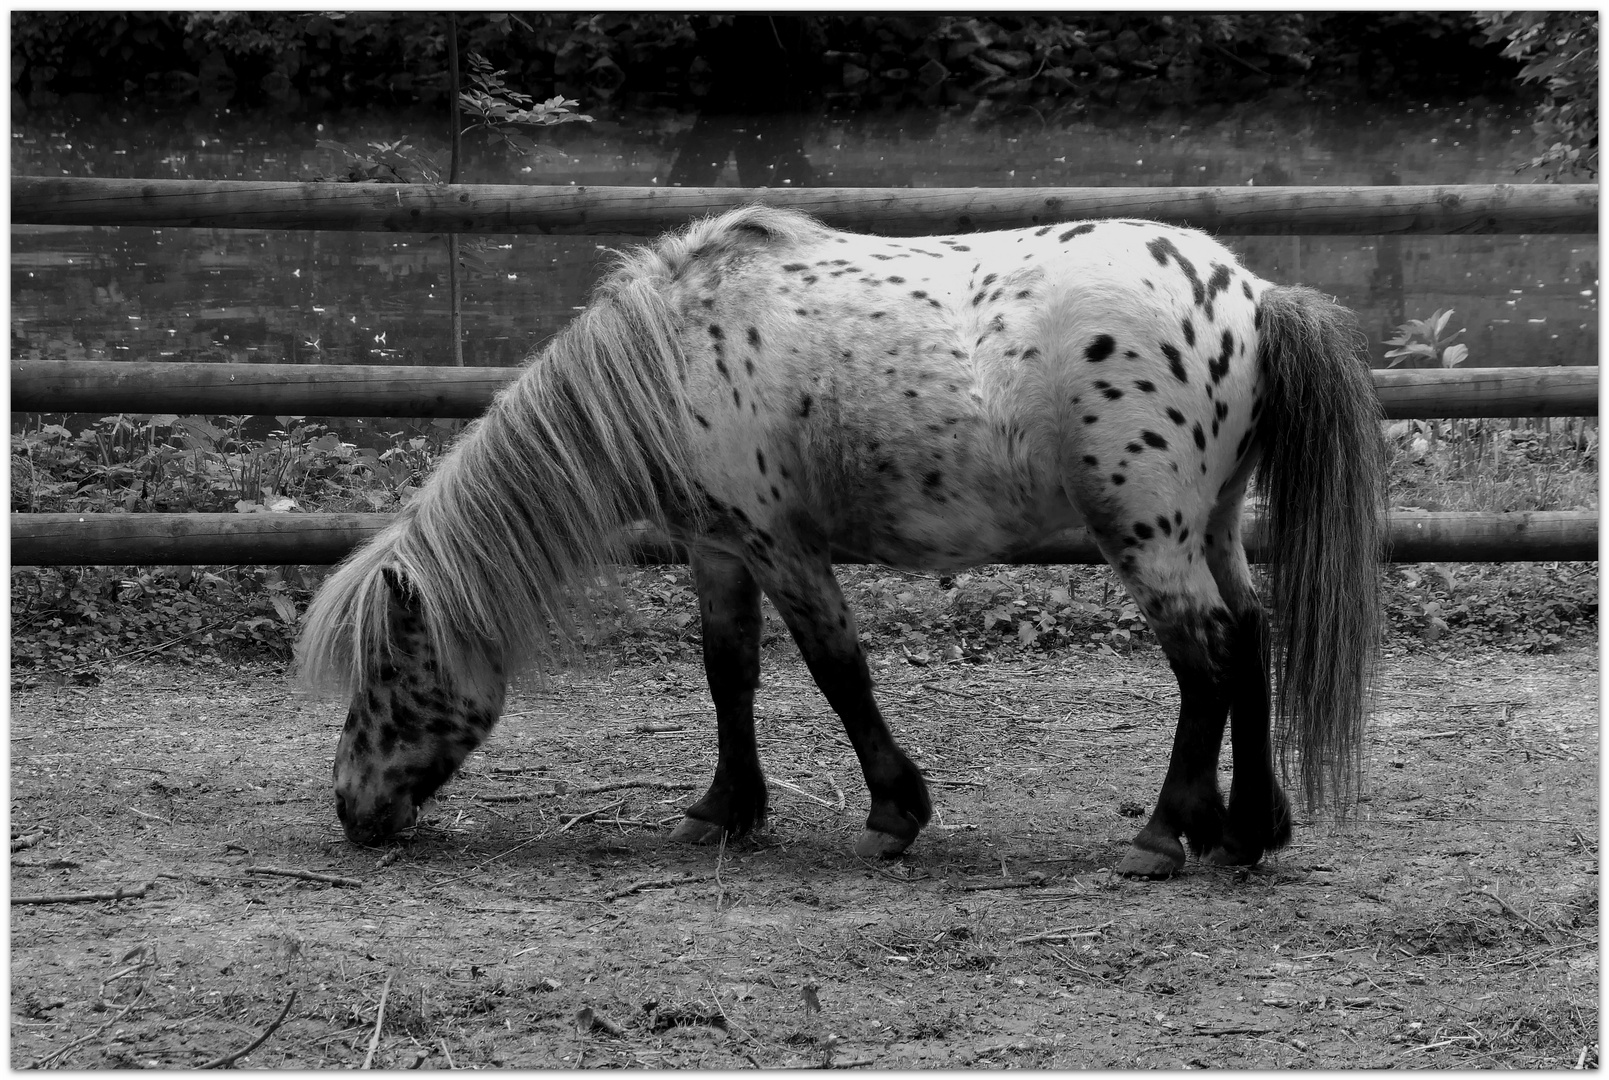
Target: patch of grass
[1495, 466]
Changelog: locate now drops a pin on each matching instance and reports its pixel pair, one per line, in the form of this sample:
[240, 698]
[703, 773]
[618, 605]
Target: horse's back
[945, 401]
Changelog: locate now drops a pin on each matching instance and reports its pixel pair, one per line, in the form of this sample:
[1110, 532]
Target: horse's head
[408, 730]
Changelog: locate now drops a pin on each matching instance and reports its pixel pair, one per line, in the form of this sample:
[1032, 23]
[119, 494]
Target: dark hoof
[1231, 855]
[1149, 857]
[694, 830]
[873, 844]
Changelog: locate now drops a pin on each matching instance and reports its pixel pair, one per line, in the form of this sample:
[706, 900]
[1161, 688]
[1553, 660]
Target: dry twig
[1063, 933]
[379, 1021]
[234, 1056]
[1506, 906]
[797, 790]
[130, 892]
[654, 883]
[49, 1059]
[306, 875]
[588, 815]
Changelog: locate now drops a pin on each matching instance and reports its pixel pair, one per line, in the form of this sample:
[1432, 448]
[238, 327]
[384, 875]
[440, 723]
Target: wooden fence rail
[350, 390]
[277, 389]
[214, 539]
[648, 211]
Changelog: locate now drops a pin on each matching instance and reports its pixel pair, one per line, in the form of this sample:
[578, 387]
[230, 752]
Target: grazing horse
[771, 393]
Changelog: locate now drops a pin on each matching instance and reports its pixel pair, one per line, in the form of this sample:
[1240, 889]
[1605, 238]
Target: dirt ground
[543, 919]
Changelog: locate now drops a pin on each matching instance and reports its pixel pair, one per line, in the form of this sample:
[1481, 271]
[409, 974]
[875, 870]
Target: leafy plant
[1559, 50]
[1426, 339]
[493, 107]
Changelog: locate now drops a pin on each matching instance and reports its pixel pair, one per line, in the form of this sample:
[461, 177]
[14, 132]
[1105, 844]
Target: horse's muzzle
[373, 823]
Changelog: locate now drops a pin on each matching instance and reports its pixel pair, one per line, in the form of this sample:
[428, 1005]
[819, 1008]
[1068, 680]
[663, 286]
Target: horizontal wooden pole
[272, 539]
[648, 211]
[1443, 393]
[352, 390]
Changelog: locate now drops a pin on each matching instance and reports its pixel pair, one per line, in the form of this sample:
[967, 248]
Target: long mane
[533, 498]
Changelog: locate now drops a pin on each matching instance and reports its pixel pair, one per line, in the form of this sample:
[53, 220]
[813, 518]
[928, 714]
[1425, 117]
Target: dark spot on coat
[804, 405]
[759, 457]
[701, 420]
[1217, 283]
[1092, 461]
[1152, 439]
[1119, 478]
[1162, 249]
[1200, 436]
[1076, 230]
[1143, 531]
[1135, 448]
[754, 337]
[1112, 393]
[1175, 362]
[1090, 418]
[1176, 416]
[1220, 367]
[1163, 524]
[910, 393]
[1145, 386]
[1099, 349]
[1189, 331]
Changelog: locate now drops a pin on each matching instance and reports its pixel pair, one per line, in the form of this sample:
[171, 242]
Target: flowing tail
[1322, 472]
[529, 504]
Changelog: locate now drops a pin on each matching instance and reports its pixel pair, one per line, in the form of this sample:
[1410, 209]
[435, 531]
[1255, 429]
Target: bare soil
[1452, 923]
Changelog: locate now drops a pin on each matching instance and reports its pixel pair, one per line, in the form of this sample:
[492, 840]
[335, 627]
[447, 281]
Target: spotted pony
[775, 395]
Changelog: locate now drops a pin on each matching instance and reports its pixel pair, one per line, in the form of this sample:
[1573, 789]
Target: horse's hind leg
[729, 606]
[806, 594]
[1207, 619]
[1198, 640]
[1258, 818]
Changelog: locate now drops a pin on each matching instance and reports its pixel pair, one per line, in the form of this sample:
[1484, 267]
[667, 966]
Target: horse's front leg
[806, 593]
[729, 607]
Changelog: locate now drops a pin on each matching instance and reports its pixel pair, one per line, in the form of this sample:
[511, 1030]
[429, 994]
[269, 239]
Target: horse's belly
[951, 530]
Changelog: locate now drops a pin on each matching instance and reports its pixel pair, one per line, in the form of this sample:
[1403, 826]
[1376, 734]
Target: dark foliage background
[1127, 57]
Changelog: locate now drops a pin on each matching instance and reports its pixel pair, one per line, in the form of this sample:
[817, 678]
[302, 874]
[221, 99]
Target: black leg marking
[1198, 648]
[1259, 818]
[729, 604]
[807, 595]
